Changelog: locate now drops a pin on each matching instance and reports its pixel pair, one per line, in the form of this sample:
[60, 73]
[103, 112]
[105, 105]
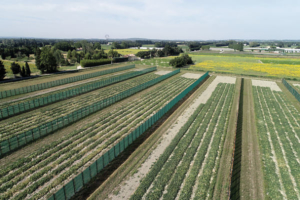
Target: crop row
[192, 157]
[53, 165]
[17, 125]
[17, 107]
[42, 86]
[278, 128]
[22, 139]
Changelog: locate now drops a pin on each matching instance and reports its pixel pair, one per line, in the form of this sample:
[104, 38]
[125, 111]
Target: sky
[152, 19]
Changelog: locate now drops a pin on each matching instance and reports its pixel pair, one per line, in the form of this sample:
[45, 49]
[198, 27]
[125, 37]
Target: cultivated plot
[278, 129]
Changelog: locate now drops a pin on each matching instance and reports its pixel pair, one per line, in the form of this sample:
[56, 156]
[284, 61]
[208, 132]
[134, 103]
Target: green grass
[9, 74]
[148, 45]
[159, 62]
[105, 46]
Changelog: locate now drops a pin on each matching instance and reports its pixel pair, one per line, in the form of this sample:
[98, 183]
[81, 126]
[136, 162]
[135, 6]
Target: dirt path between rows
[251, 182]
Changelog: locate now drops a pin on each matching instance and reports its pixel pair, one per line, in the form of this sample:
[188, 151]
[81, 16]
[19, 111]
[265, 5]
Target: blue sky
[154, 19]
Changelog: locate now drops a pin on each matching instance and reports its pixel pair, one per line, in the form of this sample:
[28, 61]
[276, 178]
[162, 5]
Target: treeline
[163, 44]
[194, 46]
[239, 46]
[166, 51]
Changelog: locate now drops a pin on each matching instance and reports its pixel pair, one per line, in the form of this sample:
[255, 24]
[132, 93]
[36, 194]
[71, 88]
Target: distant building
[109, 43]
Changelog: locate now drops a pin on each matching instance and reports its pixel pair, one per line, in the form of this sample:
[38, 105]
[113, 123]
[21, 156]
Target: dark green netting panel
[86, 175]
[111, 153]
[93, 169]
[78, 180]
[13, 143]
[60, 195]
[5, 147]
[69, 189]
[105, 159]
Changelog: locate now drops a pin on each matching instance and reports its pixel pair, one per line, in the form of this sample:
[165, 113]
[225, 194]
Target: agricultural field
[51, 167]
[49, 96]
[22, 123]
[127, 51]
[254, 66]
[157, 133]
[160, 62]
[279, 142]
[193, 145]
[55, 77]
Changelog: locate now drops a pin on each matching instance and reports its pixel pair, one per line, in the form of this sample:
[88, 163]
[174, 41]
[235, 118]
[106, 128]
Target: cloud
[161, 19]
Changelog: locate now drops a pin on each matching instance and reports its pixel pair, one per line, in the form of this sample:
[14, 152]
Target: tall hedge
[91, 63]
[120, 59]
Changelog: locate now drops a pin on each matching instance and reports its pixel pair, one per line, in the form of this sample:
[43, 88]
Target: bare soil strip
[251, 182]
[219, 79]
[270, 84]
[192, 75]
[162, 72]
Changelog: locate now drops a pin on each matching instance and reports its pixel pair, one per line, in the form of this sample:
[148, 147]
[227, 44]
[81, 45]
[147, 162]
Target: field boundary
[67, 191]
[20, 140]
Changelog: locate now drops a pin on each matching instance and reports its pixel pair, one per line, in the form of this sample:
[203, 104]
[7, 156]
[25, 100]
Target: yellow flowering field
[249, 66]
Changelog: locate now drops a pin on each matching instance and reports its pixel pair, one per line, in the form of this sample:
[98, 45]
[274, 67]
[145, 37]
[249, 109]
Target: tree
[2, 70]
[48, 60]
[38, 59]
[58, 56]
[205, 47]
[97, 45]
[22, 72]
[3, 55]
[113, 54]
[181, 61]
[27, 69]
[69, 54]
[254, 44]
[87, 56]
[15, 68]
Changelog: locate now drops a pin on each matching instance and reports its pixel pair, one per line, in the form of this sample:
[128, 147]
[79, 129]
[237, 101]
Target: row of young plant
[10, 109]
[278, 130]
[76, 184]
[24, 138]
[42, 86]
[119, 115]
[84, 145]
[168, 174]
[9, 128]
